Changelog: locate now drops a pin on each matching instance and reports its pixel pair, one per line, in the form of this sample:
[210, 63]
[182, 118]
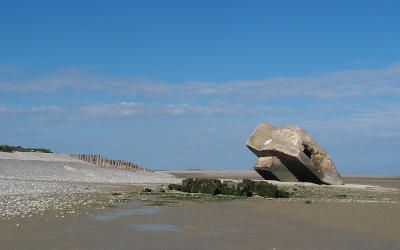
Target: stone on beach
[246, 188]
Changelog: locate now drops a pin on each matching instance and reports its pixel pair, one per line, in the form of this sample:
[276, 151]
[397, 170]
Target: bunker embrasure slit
[307, 150]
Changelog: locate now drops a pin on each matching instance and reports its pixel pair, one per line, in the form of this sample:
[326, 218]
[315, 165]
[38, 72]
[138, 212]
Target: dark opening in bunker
[307, 151]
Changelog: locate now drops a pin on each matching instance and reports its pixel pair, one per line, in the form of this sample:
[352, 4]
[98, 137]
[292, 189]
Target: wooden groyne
[105, 162]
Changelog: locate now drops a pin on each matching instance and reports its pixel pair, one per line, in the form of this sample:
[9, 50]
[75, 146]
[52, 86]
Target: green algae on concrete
[205, 186]
[229, 188]
[245, 188]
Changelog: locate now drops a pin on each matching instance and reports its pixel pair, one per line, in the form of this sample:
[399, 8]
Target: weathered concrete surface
[290, 154]
[271, 168]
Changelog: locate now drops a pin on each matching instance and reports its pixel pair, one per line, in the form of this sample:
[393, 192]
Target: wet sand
[365, 221]
[244, 224]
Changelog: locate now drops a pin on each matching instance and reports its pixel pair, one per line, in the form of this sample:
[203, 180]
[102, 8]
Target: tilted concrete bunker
[290, 154]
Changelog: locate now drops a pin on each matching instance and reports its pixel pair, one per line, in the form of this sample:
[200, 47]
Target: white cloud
[52, 109]
[379, 121]
[384, 81]
[209, 98]
[128, 109]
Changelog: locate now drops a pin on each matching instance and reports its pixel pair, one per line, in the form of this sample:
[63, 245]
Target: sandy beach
[268, 224]
[55, 202]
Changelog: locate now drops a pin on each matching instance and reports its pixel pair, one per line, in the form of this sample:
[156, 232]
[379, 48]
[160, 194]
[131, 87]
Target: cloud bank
[349, 83]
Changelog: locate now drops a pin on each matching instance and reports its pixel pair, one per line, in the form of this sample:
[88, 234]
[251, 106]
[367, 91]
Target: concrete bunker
[290, 154]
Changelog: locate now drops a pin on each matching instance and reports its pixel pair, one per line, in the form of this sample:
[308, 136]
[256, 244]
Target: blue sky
[182, 84]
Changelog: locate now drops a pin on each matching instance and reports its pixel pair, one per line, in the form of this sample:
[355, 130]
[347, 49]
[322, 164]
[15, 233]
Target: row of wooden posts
[105, 162]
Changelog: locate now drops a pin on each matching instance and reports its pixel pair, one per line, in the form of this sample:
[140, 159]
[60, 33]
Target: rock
[290, 154]
[147, 190]
[176, 187]
[160, 189]
[210, 186]
[187, 185]
[246, 188]
[266, 189]
[205, 186]
[228, 188]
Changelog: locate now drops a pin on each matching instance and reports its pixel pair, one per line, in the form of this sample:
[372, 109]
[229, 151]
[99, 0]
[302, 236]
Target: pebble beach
[31, 183]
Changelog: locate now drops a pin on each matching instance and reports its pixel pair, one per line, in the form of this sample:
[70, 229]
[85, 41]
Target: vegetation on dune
[10, 149]
[246, 188]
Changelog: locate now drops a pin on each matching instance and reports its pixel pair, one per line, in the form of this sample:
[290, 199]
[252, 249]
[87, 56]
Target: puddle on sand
[131, 211]
[156, 227]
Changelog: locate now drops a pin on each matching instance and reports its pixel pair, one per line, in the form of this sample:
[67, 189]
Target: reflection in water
[157, 227]
[115, 214]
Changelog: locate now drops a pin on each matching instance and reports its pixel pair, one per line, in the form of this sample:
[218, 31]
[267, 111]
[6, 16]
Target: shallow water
[135, 209]
[156, 227]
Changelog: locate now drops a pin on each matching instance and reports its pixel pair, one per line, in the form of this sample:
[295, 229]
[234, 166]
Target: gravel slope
[62, 168]
[33, 182]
